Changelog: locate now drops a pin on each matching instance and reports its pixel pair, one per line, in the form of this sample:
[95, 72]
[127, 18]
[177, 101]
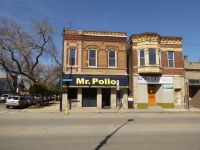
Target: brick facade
[82, 41]
[127, 56]
[99, 77]
[162, 45]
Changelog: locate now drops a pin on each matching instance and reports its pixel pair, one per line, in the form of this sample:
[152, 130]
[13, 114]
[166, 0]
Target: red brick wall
[164, 59]
[102, 48]
[173, 71]
[178, 63]
[178, 59]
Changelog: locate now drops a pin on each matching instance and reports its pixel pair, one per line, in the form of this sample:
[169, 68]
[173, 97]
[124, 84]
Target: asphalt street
[92, 131]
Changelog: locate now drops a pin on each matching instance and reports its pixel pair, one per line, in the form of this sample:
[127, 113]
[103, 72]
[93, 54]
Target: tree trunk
[41, 100]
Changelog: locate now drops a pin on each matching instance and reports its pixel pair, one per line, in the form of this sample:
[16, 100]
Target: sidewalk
[54, 107]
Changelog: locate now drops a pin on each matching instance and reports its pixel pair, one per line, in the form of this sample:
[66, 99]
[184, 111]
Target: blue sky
[166, 17]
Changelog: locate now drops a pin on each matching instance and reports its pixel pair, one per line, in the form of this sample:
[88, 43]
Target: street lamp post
[187, 96]
[61, 80]
[70, 76]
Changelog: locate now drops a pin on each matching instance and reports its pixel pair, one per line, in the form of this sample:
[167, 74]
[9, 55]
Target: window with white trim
[72, 57]
[152, 57]
[170, 59]
[92, 57]
[111, 58]
[142, 58]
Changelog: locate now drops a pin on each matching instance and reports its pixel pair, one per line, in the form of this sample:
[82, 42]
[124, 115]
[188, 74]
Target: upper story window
[152, 57]
[170, 59]
[72, 57]
[92, 57]
[142, 58]
[111, 58]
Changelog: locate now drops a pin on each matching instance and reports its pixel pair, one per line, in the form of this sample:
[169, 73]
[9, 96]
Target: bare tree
[46, 74]
[21, 50]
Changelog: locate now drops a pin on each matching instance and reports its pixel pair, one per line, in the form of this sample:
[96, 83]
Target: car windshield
[13, 97]
[5, 95]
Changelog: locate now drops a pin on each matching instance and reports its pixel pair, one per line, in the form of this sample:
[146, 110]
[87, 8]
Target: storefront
[194, 87]
[155, 91]
[94, 91]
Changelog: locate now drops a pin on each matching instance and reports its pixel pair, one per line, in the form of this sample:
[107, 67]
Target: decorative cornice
[104, 33]
[95, 36]
[151, 36]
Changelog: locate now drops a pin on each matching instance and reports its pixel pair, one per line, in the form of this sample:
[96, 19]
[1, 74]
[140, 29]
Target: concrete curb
[55, 109]
[109, 112]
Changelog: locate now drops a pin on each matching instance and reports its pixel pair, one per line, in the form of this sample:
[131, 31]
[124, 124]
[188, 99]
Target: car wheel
[7, 106]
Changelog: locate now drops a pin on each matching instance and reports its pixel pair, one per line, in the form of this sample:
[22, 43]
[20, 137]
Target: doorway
[89, 97]
[106, 97]
[151, 96]
[177, 96]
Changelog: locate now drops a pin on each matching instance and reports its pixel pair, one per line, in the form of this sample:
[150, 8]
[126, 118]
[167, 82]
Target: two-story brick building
[156, 70]
[94, 63]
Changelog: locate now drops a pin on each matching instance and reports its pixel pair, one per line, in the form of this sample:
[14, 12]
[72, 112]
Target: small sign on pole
[117, 85]
[69, 80]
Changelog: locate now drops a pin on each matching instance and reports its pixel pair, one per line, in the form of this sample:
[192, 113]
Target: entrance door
[151, 96]
[177, 96]
[105, 97]
[89, 97]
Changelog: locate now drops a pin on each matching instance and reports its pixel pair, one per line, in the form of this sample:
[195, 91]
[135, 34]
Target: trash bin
[130, 102]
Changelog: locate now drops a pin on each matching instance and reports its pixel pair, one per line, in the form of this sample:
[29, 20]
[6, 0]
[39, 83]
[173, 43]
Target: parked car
[16, 101]
[57, 97]
[31, 100]
[4, 97]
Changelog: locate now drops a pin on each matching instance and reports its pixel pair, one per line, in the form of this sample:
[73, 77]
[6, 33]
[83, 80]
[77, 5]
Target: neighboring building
[4, 85]
[22, 85]
[192, 80]
[156, 70]
[93, 61]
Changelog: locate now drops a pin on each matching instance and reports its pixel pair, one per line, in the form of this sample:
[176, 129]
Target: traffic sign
[69, 80]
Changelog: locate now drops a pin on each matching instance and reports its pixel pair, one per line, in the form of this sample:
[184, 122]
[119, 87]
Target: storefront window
[72, 93]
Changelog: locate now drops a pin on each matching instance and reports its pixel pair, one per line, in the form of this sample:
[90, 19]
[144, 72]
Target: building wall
[82, 41]
[192, 82]
[192, 69]
[4, 85]
[113, 98]
[101, 41]
[142, 99]
[102, 57]
[159, 94]
[162, 44]
[99, 98]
